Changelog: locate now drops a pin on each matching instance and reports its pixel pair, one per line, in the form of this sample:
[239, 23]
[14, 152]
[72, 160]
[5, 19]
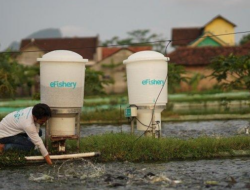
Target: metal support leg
[78, 130]
[153, 124]
[132, 126]
[47, 135]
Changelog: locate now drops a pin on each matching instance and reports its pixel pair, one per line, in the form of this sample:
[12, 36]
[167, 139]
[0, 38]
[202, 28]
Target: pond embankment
[180, 107]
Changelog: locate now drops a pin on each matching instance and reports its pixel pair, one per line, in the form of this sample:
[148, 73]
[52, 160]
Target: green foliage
[139, 38]
[236, 67]
[30, 72]
[125, 147]
[245, 39]
[36, 96]
[111, 66]
[12, 158]
[176, 75]
[94, 82]
[194, 81]
[11, 75]
[102, 115]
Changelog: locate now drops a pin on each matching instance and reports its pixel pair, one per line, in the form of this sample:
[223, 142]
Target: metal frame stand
[132, 126]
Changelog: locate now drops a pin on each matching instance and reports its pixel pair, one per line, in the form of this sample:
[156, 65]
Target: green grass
[209, 97]
[103, 115]
[14, 158]
[126, 147]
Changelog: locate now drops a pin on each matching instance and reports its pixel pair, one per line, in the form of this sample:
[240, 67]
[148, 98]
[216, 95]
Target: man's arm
[33, 135]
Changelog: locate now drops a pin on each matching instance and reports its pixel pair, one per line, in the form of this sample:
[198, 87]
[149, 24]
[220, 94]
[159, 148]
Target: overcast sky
[108, 18]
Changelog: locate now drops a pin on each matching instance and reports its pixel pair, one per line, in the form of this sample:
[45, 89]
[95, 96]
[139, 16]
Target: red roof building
[202, 56]
[34, 48]
[184, 36]
[205, 35]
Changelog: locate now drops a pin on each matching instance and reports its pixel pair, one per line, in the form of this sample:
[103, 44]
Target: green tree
[139, 38]
[30, 75]
[176, 75]
[94, 82]
[194, 81]
[111, 69]
[232, 72]
[245, 39]
[11, 75]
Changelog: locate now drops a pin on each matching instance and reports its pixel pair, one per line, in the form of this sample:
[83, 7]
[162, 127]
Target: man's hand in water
[48, 160]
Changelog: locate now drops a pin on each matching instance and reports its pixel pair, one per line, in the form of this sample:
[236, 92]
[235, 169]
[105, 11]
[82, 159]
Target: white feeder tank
[147, 87]
[62, 75]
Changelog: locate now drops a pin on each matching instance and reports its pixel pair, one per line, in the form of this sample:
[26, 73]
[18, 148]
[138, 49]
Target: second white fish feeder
[147, 89]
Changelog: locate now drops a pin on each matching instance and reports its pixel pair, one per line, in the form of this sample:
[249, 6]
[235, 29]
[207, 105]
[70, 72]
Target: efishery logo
[63, 84]
[152, 82]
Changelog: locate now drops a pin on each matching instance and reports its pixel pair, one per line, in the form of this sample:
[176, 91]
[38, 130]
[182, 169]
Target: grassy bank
[126, 147]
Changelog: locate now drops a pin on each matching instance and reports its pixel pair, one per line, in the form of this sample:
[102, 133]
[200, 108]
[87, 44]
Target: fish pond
[189, 174]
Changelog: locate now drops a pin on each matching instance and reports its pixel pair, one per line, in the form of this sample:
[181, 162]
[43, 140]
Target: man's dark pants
[18, 142]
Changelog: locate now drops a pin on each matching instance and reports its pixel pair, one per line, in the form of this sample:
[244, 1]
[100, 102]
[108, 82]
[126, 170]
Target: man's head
[41, 113]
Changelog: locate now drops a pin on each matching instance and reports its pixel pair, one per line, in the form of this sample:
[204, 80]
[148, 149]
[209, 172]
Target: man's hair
[41, 110]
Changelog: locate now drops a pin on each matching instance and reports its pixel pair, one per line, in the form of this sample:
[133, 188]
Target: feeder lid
[145, 56]
[62, 56]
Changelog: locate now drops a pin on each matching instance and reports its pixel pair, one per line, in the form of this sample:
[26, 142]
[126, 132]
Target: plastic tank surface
[145, 117]
[61, 126]
[62, 75]
[146, 74]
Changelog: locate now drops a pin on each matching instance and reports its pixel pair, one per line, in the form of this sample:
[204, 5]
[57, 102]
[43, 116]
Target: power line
[125, 45]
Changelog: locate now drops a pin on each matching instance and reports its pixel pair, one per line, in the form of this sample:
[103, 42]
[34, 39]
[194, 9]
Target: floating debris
[41, 177]
[211, 183]
[162, 178]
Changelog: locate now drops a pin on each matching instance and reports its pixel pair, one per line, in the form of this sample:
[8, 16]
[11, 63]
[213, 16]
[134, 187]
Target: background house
[208, 35]
[196, 61]
[31, 49]
[107, 60]
[112, 65]
[194, 49]
[200, 46]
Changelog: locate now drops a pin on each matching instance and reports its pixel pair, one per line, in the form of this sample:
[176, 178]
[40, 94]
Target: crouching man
[18, 130]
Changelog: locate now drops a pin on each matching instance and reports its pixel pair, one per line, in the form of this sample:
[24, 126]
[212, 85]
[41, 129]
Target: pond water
[82, 174]
[178, 129]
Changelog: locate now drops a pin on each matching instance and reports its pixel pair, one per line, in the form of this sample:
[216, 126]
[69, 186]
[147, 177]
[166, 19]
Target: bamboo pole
[64, 156]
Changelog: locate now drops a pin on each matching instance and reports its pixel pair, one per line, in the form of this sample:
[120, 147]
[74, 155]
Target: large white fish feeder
[147, 90]
[62, 88]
